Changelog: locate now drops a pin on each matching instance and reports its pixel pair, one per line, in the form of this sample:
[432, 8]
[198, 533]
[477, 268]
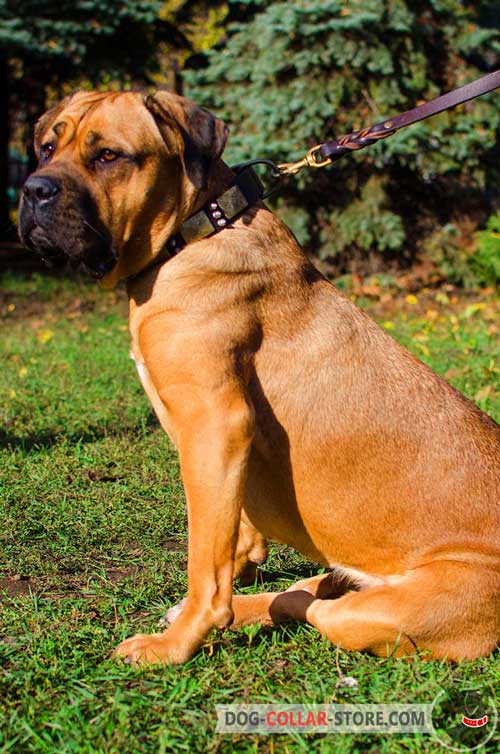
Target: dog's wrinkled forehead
[137, 125]
[89, 118]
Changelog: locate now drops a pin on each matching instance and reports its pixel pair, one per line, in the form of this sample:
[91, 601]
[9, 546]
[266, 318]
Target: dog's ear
[195, 134]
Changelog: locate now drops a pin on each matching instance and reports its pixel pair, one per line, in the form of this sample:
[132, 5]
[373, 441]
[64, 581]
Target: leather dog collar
[216, 214]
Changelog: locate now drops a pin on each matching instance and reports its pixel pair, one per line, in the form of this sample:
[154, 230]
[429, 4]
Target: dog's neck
[228, 195]
[200, 215]
[220, 180]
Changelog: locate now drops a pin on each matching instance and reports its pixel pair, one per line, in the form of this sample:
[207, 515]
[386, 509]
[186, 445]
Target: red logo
[475, 722]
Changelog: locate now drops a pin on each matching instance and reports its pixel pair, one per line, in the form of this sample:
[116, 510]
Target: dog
[295, 416]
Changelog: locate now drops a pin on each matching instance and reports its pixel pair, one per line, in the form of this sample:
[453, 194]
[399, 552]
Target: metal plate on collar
[196, 227]
[232, 201]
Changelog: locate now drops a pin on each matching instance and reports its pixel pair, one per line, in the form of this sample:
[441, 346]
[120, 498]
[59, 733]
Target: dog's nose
[41, 189]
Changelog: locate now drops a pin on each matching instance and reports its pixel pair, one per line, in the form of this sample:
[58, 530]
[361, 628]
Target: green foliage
[364, 224]
[291, 74]
[486, 261]
[452, 255]
[297, 219]
[91, 32]
[463, 256]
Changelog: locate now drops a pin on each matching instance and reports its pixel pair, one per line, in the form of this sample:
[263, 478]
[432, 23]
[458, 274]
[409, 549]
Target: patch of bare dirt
[119, 574]
[15, 585]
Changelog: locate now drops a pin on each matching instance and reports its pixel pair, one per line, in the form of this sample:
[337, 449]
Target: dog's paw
[145, 649]
[172, 613]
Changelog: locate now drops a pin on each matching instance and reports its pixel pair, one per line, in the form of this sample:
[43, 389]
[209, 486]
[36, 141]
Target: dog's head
[118, 173]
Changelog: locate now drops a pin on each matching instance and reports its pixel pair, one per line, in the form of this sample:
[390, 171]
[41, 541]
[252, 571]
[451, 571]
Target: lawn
[93, 543]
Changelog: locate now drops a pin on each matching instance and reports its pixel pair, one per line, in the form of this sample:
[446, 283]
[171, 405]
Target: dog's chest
[150, 390]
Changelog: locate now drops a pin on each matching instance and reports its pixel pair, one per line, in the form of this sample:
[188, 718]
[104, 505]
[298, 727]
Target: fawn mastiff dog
[295, 416]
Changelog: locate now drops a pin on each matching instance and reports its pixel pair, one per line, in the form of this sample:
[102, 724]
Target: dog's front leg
[213, 439]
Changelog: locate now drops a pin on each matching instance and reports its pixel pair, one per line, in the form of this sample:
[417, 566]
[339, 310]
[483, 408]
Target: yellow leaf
[23, 372]
[411, 299]
[424, 349]
[11, 307]
[12, 393]
[388, 325]
[45, 335]
[472, 309]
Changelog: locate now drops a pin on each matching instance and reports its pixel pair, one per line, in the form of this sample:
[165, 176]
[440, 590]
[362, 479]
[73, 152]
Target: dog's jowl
[295, 416]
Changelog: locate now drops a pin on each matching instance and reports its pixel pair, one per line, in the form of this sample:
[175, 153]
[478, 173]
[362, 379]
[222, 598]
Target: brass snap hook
[312, 159]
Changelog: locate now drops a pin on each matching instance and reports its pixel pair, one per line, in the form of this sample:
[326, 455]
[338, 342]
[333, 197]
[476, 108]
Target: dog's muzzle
[58, 220]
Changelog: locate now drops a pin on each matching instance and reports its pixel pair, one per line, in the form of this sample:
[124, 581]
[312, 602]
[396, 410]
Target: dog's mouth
[95, 262]
[35, 238]
[87, 251]
[97, 268]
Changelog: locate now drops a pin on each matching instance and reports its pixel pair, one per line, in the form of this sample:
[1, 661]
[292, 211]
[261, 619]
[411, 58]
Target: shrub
[486, 261]
[291, 74]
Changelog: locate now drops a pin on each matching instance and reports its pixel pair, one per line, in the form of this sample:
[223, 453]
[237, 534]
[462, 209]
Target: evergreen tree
[291, 74]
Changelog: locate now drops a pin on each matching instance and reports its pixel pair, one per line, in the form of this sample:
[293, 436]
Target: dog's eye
[46, 151]
[107, 155]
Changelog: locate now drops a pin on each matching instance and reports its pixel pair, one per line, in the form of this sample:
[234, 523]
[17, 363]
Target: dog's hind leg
[270, 608]
[451, 609]
[251, 551]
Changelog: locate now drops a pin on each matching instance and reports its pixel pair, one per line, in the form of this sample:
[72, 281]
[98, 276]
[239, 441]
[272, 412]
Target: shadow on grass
[296, 573]
[44, 440]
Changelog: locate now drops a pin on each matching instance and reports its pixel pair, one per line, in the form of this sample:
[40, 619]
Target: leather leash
[247, 187]
[329, 151]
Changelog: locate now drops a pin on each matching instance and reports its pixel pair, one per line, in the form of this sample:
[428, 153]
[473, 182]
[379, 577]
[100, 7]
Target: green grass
[93, 545]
